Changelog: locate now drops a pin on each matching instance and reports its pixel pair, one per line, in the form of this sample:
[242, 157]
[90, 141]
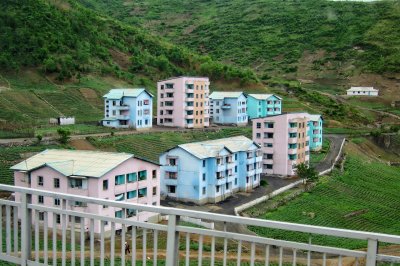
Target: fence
[33, 241]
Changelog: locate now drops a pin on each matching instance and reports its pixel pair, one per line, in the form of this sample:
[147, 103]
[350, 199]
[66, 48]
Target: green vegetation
[319, 156]
[139, 144]
[275, 34]
[361, 198]
[13, 155]
[64, 67]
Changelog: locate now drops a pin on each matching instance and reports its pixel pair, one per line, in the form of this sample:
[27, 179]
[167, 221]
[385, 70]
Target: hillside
[58, 57]
[326, 45]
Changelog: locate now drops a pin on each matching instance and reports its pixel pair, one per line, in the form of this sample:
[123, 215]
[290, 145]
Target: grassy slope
[274, 33]
[342, 194]
[160, 142]
[64, 67]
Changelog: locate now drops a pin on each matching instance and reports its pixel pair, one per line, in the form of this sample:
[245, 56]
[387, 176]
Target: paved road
[336, 142]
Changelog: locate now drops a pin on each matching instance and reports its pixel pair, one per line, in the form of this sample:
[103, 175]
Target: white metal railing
[41, 243]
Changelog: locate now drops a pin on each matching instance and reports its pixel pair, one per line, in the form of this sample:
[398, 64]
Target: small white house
[362, 91]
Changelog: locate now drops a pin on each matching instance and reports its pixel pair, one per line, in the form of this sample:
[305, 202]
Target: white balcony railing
[27, 240]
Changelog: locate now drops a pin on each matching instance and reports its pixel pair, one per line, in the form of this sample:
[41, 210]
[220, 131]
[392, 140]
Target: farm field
[364, 197]
[12, 155]
[151, 145]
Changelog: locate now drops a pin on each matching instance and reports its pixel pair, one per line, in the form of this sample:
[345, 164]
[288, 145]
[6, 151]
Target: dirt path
[82, 144]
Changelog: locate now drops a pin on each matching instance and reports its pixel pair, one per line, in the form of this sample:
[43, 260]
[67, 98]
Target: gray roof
[73, 162]
[264, 96]
[315, 117]
[362, 89]
[211, 148]
[178, 77]
[220, 95]
[122, 92]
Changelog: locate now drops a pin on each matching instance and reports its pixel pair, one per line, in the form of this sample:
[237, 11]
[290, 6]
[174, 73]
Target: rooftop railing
[58, 235]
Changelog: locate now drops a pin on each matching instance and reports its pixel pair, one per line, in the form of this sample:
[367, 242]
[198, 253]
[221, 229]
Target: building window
[120, 197]
[268, 135]
[269, 125]
[154, 174]
[131, 177]
[131, 194]
[171, 189]
[235, 169]
[40, 199]
[142, 175]
[154, 191]
[172, 162]
[41, 216]
[258, 125]
[204, 163]
[105, 184]
[217, 189]
[204, 190]
[130, 212]
[56, 183]
[258, 135]
[40, 180]
[76, 183]
[204, 177]
[56, 202]
[119, 180]
[58, 218]
[80, 204]
[118, 214]
[255, 178]
[142, 192]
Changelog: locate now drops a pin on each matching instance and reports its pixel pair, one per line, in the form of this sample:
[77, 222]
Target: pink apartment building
[284, 142]
[105, 175]
[183, 102]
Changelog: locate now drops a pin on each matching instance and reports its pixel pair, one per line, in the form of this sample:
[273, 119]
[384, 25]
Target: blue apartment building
[315, 132]
[128, 108]
[263, 105]
[228, 108]
[210, 171]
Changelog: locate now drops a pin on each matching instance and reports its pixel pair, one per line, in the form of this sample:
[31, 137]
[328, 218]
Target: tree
[64, 135]
[39, 138]
[307, 173]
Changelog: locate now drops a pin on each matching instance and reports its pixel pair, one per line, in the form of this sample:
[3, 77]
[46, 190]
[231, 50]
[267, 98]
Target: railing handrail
[344, 233]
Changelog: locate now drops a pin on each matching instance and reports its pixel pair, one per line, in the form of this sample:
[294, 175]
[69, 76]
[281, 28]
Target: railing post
[172, 241]
[371, 252]
[26, 230]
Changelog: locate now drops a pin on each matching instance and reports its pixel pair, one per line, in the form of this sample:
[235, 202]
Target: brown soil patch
[82, 144]
[120, 58]
[88, 93]
[389, 86]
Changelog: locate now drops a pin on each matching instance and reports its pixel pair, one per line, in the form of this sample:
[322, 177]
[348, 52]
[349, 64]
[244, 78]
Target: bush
[263, 183]
[64, 135]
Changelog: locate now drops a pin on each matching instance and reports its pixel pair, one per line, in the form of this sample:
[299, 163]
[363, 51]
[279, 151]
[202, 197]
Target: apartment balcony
[170, 181]
[231, 165]
[123, 126]
[268, 161]
[34, 232]
[189, 108]
[221, 167]
[206, 115]
[122, 117]
[189, 99]
[188, 90]
[251, 160]
[258, 159]
[292, 140]
[259, 171]
[206, 107]
[292, 151]
[220, 181]
[170, 168]
[168, 99]
[251, 172]
[292, 129]
[226, 106]
[122, 107]
[189, 116]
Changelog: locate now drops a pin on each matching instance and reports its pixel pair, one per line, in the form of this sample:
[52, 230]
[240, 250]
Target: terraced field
[150, 146]
[365, 197]
[12, 155]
